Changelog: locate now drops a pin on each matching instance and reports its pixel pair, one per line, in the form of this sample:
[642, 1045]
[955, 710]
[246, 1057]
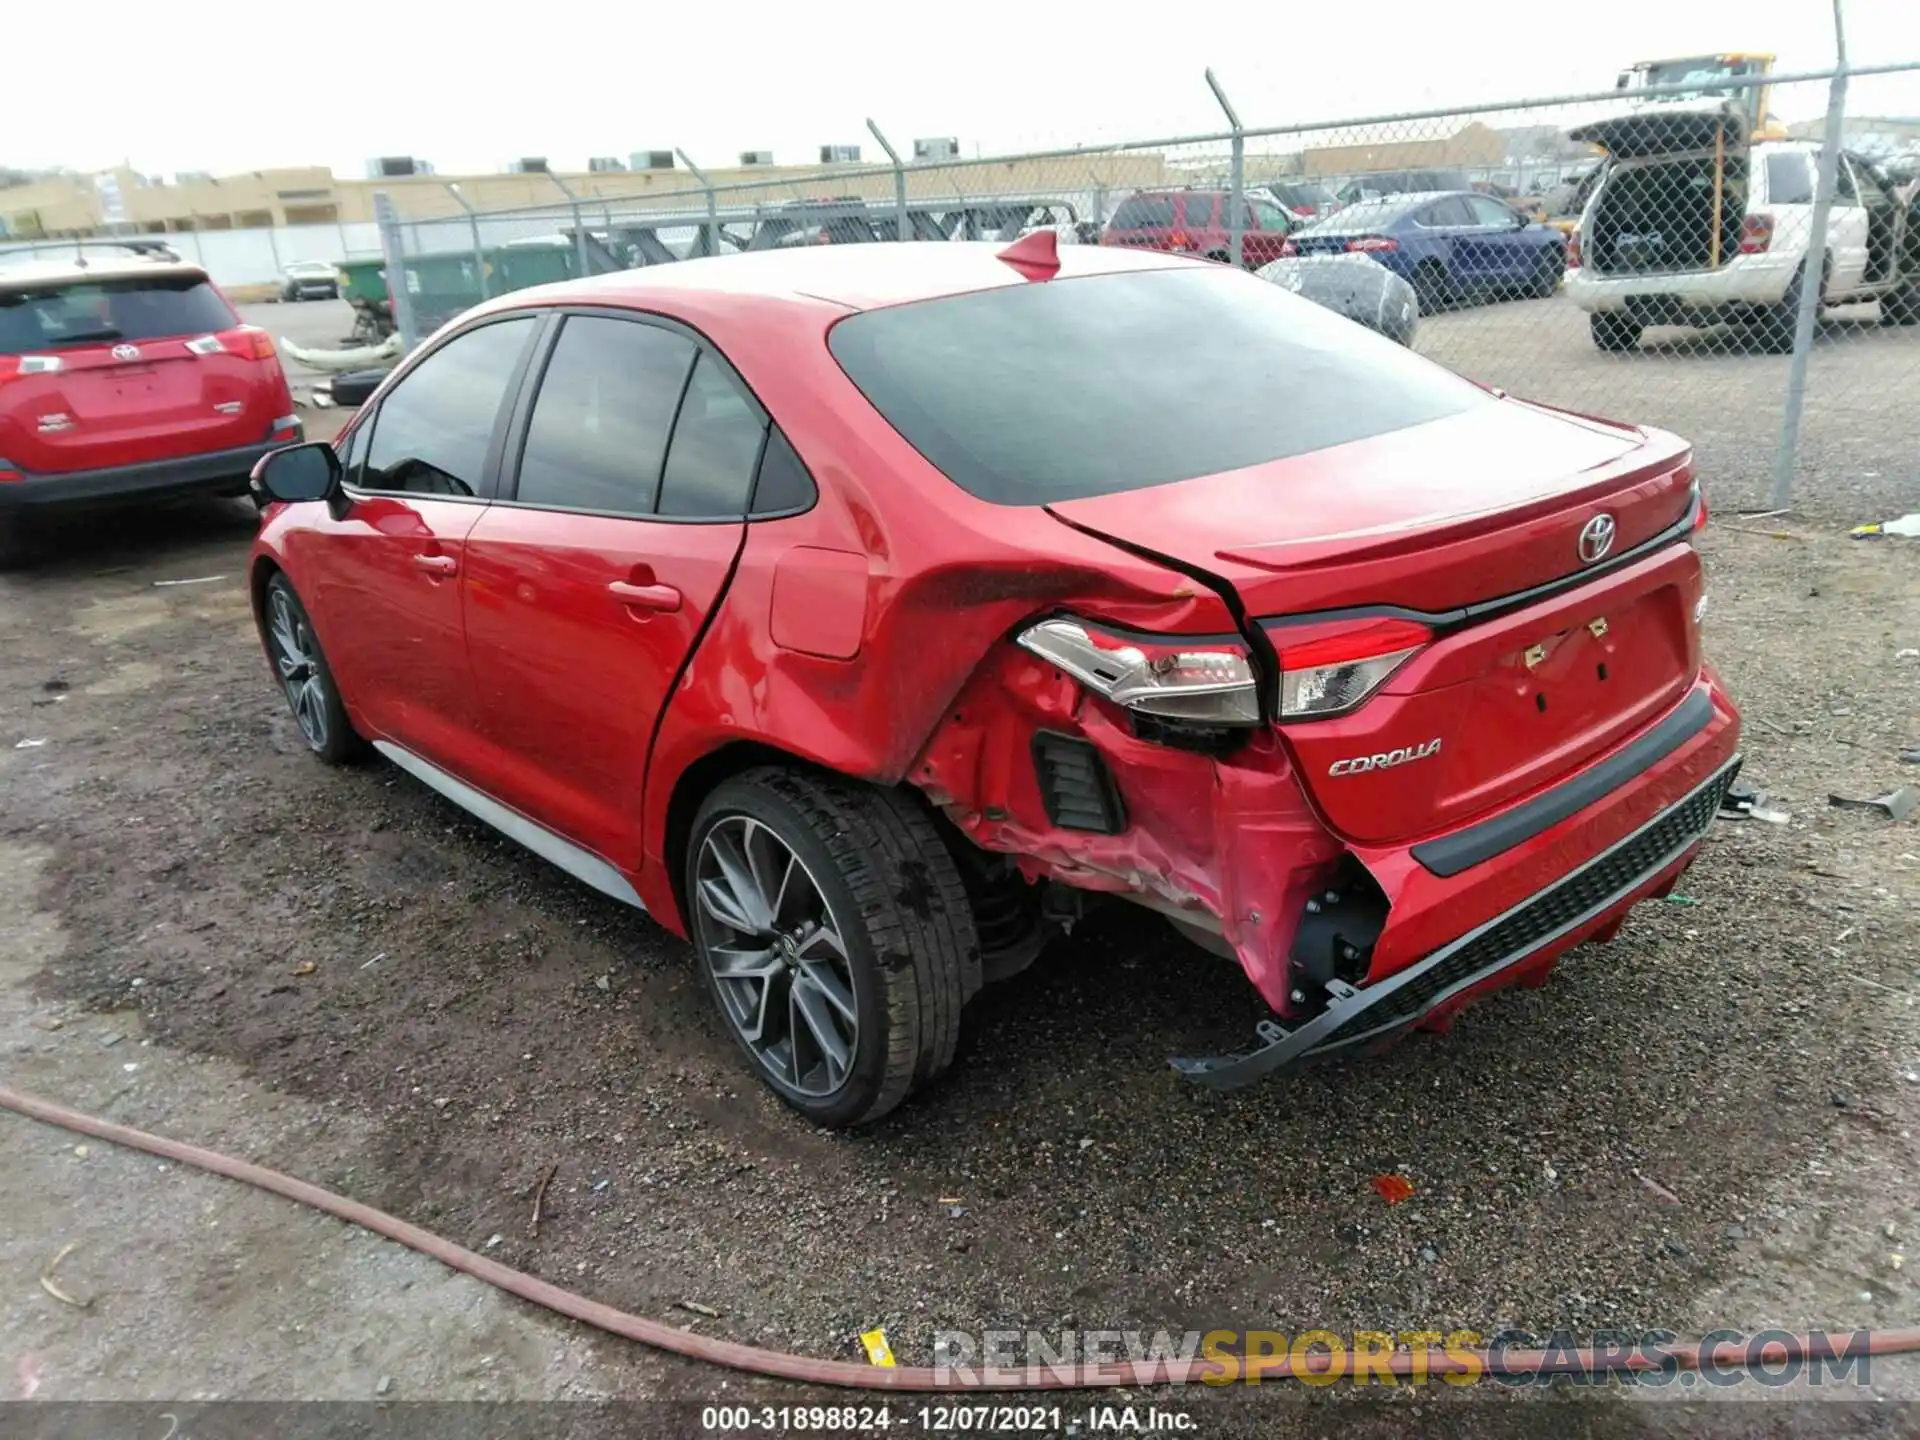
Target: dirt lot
[341, 974]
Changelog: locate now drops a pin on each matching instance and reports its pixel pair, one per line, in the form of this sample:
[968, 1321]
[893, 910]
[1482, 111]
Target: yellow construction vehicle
[1706, 77]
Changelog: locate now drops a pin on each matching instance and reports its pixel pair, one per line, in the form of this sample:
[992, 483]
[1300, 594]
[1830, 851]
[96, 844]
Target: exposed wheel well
[263, 572]
[696, 782]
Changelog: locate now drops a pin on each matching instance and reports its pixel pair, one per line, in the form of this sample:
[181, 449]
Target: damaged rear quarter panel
[1230, 838]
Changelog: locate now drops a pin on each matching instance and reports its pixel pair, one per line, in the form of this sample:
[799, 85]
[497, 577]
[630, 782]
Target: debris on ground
[1392, 1188]
[1910, 754]
[874, 1342]
[31, 744]
[1907, 526]
[197, 580]
[47, 1281]
[305, 967]
[1681, 900]
[694, 1307]
[383, 1385]
[539, 1196]
[1657, 1188]
[1895, 804]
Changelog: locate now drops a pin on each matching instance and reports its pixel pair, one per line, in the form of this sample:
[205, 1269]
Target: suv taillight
[1289, 248]
[1330, 667]
[1756, 234]
[1573, 250]
[249, 342]
[1369, 244]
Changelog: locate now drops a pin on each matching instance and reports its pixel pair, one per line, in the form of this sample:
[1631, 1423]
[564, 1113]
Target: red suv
[126, 377]
[1195, 222]
[865, 613]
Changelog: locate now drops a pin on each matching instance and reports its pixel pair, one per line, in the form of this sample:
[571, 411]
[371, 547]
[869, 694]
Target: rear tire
[1548, 273]
[1613, 331]
[1778, 324]
[1431, 284]
[835, 935]
[305, 680]
[14, 549]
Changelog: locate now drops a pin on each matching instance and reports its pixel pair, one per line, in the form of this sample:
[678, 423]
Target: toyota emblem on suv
[1596, 538]
[126, 352]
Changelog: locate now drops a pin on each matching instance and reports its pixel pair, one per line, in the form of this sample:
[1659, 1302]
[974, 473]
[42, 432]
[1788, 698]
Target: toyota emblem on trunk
[126, 352]
[1596, 538]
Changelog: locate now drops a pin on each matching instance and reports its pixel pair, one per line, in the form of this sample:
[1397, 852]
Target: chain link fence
[1649, 252]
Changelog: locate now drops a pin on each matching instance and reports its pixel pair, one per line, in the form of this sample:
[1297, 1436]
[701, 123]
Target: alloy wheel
[777, 956]
[297, 658]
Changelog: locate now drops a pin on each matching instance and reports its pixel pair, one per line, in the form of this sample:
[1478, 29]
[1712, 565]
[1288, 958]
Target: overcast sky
[228, 85]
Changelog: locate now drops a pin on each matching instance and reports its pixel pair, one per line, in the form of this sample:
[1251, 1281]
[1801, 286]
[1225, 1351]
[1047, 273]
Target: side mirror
[295, 473]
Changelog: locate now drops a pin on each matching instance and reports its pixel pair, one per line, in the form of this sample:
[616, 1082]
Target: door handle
[442, 565]
[646, 597]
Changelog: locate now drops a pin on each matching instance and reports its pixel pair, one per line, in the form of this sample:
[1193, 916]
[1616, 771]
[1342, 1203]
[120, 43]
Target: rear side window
[435, 427]
[598, 436]
[97, 312]
[1789, 179]
[1199, 211]
[1107, 383]
[1144, 212]
[716, 445]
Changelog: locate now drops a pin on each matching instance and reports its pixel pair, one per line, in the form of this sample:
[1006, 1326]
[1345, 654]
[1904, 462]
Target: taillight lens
[9, 473]
[1700, 510]
[1330, 668]
[1573, 252]
[1212, 684]
[249, 342]
[1756, 234]
[1289, 248]
[12, 366]
[1178, 239]
[1372, 244]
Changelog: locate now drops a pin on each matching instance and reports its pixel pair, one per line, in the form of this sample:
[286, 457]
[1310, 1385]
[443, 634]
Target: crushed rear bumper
[1560, 914]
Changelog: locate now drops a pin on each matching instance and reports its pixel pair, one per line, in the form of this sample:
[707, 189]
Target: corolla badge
[1405, 754]
[1596, 538]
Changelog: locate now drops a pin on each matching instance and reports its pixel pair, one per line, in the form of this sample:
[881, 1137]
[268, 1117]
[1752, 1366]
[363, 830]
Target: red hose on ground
[848, 1374]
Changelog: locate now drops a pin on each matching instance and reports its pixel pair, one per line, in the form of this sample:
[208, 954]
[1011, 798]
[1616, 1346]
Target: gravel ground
[342, 974]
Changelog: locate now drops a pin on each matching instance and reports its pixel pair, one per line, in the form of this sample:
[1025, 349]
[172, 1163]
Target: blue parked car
[1449, 245]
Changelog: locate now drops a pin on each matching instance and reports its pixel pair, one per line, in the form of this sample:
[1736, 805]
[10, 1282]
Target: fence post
[1236, 185]
[899, 180]
[394, 255]
[710, 243]
[579, 224]
[1811, 273]
[473, 225]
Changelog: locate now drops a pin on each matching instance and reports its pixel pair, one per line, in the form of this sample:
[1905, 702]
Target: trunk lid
[1453, 523]
[96, 373]
[1670, 127]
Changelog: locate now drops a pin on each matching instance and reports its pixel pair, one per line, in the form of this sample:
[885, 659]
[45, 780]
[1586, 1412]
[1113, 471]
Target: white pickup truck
[1693, 224]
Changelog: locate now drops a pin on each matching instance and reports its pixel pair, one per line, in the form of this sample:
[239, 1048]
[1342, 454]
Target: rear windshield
[1144, 212]
[1300, 193]
[91, 312]
[1092, 386]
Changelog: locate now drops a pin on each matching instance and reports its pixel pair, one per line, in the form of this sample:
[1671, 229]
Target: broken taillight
[1756, 234]
[1211, 685]
[1329, 667]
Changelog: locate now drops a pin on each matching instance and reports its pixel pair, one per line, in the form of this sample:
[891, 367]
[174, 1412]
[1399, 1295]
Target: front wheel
[304, 677]
[836, 938]
[1613, 331]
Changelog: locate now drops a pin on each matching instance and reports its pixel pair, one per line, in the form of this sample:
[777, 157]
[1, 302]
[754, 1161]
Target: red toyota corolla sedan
[865, 612]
